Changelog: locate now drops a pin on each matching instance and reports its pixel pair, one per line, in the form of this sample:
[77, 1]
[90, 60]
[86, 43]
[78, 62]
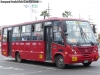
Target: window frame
[16, 33]
[25, 32]
[61, 31]
[4, 34]
[32, 32]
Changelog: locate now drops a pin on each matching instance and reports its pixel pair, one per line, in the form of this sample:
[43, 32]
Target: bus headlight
[95, 51]
[74, 51]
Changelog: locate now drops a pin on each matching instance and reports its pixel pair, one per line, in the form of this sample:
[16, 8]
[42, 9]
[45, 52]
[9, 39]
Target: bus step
[49, 61]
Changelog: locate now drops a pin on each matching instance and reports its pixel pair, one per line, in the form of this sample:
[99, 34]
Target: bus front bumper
[79, 58]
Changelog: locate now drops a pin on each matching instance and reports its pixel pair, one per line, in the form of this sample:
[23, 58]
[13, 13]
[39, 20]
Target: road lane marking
[27, 73]
[94, 71]
[9, 68]
[89, 71]
[38, 66]
[97, 62]
[8, 58]
[48, 68]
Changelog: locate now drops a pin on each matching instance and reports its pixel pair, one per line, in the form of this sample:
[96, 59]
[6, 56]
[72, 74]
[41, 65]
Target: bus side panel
[57, 49]
[37, 51]
[33, 50]
[27, 48]
[5, 48]
[24, 52]
[13, 49]
[41, 53]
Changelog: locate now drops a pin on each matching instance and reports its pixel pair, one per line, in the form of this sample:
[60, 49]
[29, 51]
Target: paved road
[9, 67]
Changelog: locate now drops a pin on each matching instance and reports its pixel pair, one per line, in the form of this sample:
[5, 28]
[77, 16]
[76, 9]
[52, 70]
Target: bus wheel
[17, 58]
[60, 62]
[87, 64]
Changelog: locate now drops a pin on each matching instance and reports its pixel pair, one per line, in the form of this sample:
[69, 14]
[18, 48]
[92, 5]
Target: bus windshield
[79, 32]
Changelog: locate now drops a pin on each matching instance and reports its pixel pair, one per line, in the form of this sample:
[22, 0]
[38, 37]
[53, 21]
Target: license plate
[74, 58]
[86, 61]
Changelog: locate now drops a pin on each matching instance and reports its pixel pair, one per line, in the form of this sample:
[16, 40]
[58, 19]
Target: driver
[71, 36]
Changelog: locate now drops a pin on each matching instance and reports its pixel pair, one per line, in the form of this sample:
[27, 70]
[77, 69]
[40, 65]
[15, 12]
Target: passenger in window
[34, 37]
[71, 36]
[28, 37]
[23, 38]
[58, 38]
[40, 37]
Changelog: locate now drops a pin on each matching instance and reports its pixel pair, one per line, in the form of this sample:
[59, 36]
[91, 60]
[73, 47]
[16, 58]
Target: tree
[44, 13]
[66, 14]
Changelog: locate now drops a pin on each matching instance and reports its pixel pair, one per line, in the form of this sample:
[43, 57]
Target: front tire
[87, 64]
[17, 58]
[60, 62]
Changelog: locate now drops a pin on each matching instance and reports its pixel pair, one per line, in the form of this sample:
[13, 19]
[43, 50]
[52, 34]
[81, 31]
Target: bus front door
[9, 40]
[48, 39]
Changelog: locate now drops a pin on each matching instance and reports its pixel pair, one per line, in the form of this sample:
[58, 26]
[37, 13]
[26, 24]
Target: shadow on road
[45, 64]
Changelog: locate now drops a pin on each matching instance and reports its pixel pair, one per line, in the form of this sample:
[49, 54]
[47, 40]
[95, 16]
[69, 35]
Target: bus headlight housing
[96, 50]
[74, 51]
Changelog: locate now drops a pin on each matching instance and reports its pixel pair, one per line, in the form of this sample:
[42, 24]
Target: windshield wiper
[91, 43]
[84, 35]
[78, 43]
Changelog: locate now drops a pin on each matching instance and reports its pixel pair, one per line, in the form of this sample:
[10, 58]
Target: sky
[17, 13]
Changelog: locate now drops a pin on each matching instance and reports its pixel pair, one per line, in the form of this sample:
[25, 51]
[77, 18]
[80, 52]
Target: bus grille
[85, 50]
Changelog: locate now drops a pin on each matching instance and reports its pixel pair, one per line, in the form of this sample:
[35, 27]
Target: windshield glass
[79, 32]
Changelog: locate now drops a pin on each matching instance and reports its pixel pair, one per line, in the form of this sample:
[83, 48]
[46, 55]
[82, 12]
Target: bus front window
[79, 32]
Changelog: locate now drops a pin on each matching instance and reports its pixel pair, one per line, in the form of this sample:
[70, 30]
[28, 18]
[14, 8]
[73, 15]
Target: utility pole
[90, 19]
[31, 6]
[48, 10]
[79, 16]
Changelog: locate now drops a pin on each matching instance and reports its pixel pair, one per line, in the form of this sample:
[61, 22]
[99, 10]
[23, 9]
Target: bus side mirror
[66, 34]
[94, 29]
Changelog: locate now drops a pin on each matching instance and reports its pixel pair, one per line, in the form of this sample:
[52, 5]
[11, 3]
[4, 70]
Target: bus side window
[26, 33]
[37, 31]
[58, 38]
[5, 34]
[56, 26]
[16, 34]
[57, 34]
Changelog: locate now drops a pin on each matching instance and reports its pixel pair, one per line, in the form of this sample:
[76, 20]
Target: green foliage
[44, 13]
[66, 14]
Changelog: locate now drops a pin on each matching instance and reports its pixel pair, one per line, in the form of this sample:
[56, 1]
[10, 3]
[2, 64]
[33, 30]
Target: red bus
[58, 40]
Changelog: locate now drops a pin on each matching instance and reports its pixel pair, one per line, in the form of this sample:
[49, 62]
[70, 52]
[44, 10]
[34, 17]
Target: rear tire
[87, 64]
[17, 58]
[59, 60]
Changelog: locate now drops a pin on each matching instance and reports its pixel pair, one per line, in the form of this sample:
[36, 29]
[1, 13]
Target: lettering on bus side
[21, 43]
[4, 43]
[10, 28]
[33, 43]
[39, 43]
[17, 43]
[27, 43]
[13, 43]
[47, 23]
